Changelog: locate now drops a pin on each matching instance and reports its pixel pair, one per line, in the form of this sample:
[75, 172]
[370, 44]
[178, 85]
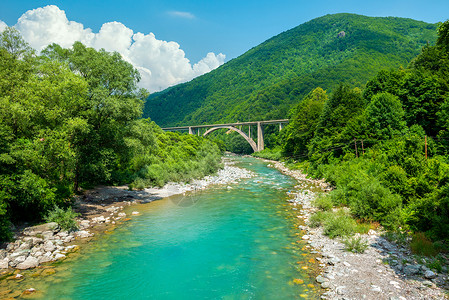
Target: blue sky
[229, 27]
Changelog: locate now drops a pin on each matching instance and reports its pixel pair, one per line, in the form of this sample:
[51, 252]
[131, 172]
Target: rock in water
[30, 262]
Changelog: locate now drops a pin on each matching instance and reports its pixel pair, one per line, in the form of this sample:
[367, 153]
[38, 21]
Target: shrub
[323, 202]
[421, 245]
[316, 220]
[339, 224]
[355, 244]
[64, 218]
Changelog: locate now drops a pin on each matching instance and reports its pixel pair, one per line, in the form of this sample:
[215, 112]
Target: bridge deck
[229, 124]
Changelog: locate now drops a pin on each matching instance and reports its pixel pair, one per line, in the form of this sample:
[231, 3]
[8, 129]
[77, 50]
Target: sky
[174, 41]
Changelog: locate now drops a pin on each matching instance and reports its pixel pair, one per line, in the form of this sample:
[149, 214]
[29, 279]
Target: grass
[355, 244]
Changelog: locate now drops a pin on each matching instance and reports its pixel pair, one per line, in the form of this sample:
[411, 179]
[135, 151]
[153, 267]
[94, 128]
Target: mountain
[266, 81]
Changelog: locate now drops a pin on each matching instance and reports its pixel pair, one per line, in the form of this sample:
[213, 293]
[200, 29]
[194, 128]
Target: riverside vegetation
[71, 119]
[384, 148]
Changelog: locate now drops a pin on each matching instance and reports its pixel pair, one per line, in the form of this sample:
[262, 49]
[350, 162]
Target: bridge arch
[247, 138]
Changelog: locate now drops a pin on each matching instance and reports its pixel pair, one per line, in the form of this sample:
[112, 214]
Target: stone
[305, 237]
[38, 229]
[83, 234]
[3, 253]
[30, 262]
[59, 256]
[47, 235]
[333, 261]
[49, 246]
[430, 275]
[325, 285]
[412, 270]
[4, 263]
[122, 214]
[85, 224]
[375, 288]
[320, 279]
[340, 290]
[135, 213]
[45, 258]
[427, 283]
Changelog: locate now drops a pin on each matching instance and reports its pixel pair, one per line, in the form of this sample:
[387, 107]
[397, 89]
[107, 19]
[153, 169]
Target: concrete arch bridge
[238, 127]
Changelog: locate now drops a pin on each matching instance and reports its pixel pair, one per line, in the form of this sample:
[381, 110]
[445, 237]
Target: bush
[64, 218]
[421, 245]
[317, 219]
[355, 244]
[323, 202]
[339, 224]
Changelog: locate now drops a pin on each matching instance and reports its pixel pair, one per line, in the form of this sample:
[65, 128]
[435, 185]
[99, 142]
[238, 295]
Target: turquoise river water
[228, 242]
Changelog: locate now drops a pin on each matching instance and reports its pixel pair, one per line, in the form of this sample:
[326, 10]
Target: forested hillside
[384, 148]
[267, 80]
[71, 119]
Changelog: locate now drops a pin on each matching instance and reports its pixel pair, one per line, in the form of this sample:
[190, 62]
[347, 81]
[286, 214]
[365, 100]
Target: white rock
[59, 256]
[135, 213]
[4, 263]
[83, 234]
[30, 262]
[49, 246]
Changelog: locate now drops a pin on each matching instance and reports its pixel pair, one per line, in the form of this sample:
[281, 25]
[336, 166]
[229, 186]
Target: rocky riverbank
[99, 209]
[383, 271]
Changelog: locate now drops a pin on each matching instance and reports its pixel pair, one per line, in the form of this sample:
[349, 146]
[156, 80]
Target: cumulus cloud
[181, 14]
[160, 63]
[2, 26]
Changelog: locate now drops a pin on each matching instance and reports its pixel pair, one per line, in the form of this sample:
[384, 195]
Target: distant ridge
[267, 80]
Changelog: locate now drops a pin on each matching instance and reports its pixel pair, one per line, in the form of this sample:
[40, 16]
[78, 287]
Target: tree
[385, 116]
[12, 41]
[114, 103]
[303, 122]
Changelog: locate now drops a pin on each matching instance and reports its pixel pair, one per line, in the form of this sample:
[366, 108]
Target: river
[229, 242]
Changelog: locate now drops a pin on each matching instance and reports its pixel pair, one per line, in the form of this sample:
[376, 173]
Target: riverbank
[100, 209]
[383, 271]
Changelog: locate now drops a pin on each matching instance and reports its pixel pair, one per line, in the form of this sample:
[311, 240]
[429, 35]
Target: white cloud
[181, 14]
[2, 26]
[160, 63]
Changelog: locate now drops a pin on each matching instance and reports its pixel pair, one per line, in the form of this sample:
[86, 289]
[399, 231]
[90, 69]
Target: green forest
[71, 119]
[384, 147]
[268, 80]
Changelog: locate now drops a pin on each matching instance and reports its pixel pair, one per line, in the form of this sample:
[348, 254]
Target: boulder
[45, 258]
[49, 246]
[30, 262]
[39, 229]
[412, 270]
[19, 259]
[430, 275]
[4, 263]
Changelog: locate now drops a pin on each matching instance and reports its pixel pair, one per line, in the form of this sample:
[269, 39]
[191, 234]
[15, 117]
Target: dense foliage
[265, 82]
[385, 148]
[71, 118]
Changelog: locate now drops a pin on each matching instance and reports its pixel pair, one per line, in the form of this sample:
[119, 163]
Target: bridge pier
[260, 142]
